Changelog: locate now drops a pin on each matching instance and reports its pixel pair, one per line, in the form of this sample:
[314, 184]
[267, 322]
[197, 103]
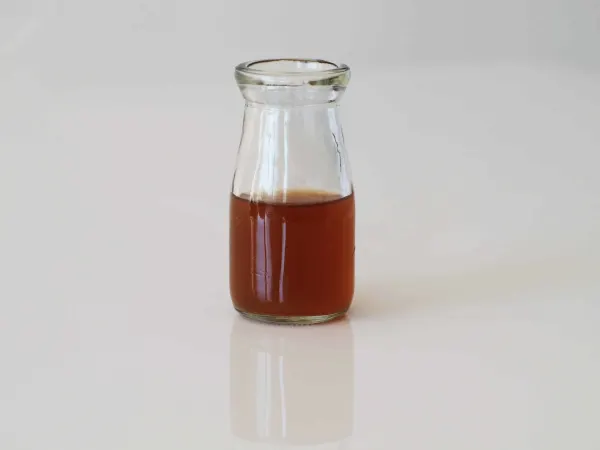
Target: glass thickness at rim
[292, 72]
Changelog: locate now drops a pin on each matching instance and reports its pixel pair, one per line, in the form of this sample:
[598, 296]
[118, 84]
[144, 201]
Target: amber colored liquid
[293, 256]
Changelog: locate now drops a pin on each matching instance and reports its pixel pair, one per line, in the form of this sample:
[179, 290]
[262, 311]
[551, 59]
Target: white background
[473, 129]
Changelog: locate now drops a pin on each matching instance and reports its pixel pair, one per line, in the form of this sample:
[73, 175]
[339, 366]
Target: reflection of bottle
[291, 385]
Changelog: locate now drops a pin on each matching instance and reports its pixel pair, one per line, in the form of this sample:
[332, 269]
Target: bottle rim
[292, 72]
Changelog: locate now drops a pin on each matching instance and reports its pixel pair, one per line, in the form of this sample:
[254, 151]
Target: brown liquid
[292, 258]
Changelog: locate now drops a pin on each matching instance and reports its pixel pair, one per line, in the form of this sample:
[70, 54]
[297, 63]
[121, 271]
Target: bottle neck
[276, 128]
[293, 109]
[292, 96]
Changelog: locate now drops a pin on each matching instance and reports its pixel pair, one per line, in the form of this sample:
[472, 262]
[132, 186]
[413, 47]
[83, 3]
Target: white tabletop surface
[476, 320]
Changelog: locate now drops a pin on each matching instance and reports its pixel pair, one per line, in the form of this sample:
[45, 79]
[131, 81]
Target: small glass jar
[292, 202]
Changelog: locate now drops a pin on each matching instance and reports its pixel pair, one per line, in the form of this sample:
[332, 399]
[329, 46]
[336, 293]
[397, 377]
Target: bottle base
[291, 320]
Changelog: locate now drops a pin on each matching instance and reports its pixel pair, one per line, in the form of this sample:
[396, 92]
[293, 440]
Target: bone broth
[292, 255]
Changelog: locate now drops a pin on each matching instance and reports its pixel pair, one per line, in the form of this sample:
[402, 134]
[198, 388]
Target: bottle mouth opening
[292, 72]
[290, 66]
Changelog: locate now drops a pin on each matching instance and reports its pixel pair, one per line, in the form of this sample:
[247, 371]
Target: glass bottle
[292, 202]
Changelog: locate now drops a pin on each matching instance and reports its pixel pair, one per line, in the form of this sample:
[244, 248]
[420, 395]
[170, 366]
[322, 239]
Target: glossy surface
[476, 318]
[269, 369]
[293, 256]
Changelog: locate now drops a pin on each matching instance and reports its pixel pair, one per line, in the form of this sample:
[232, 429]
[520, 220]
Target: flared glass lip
[292, 72]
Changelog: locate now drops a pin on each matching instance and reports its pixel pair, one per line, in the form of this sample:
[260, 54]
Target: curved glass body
[292, 202]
